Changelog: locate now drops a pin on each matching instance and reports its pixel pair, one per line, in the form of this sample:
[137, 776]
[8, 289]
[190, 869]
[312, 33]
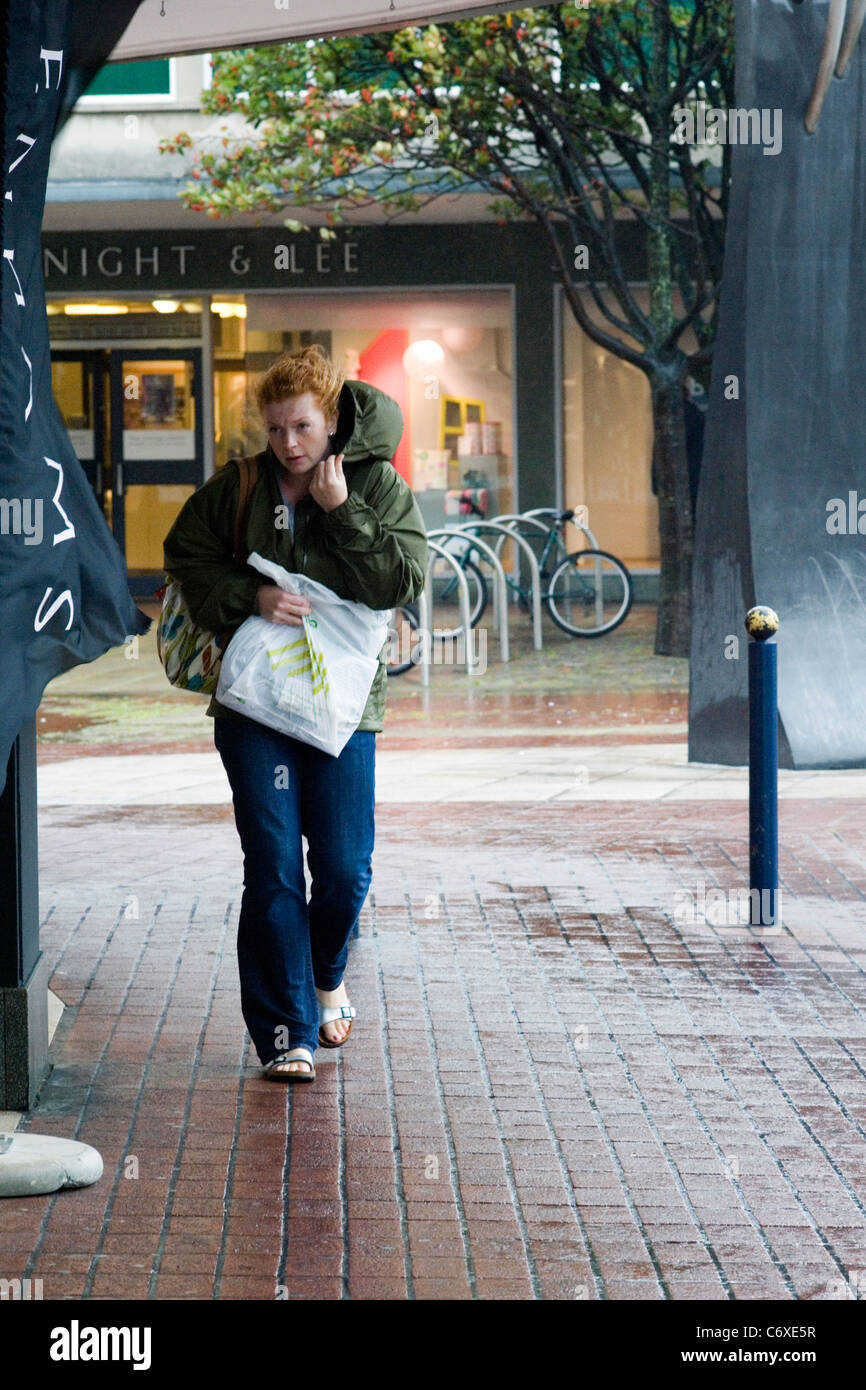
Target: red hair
[295, 373]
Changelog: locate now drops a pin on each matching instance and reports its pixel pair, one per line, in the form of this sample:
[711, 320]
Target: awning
[202, 26]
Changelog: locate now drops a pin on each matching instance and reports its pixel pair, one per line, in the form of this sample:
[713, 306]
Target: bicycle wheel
[590, 593]
[548, 547]
[404, 624]
[477, 593]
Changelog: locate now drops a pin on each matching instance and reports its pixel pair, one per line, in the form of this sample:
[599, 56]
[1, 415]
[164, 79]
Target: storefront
[157, 340]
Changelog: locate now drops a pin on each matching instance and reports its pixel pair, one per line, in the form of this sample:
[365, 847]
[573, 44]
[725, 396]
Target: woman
[327, 503]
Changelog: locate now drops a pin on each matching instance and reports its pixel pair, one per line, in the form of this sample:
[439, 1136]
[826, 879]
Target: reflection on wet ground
[613, 689]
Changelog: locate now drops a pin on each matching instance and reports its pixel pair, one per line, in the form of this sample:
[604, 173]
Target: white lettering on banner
[66, 597]
[52, 55]
[43, 614]
[9, 255]
[29, 141]
[239, 264]
[29, 405]
[69, 533]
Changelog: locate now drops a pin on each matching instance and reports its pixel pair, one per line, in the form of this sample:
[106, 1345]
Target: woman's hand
[328, 485]
[279, 607]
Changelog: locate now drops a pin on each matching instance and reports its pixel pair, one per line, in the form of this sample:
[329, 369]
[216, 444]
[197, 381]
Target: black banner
[63, 590]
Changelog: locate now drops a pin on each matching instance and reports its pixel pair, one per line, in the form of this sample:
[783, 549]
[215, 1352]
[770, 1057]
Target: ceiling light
[95, 308]
[421, 357]
[165, 306]
[228, 309]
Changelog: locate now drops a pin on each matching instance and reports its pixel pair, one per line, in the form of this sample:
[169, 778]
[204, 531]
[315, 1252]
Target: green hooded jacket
[372, 548]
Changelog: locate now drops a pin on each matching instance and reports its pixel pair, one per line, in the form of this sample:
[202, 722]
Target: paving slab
[654, 772]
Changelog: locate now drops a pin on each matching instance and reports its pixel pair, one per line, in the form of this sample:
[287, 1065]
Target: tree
[567, 116]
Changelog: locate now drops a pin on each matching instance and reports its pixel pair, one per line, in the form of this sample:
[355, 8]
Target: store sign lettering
[286, 258]
[175, 261]
[110, 261]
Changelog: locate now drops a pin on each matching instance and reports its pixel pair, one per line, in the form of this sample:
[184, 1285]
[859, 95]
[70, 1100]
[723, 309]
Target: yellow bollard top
[762, 622]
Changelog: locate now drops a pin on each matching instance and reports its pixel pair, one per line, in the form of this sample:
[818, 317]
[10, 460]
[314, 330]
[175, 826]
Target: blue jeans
[283, 789]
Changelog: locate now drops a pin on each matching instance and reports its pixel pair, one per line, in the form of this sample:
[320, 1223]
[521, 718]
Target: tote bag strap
[248, 469]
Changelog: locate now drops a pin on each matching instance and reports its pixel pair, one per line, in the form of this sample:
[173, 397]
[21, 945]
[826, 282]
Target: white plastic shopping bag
[311, 682]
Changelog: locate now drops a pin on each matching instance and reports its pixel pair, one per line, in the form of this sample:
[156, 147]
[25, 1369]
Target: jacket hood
[369, 425]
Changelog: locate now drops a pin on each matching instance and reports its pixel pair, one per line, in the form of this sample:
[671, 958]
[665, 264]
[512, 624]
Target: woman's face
[298, 432]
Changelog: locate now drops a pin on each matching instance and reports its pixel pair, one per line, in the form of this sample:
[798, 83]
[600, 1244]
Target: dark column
[783, 476]
[535, 392]
[23, 971]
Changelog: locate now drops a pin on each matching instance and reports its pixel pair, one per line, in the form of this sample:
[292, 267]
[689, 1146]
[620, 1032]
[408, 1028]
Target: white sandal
[297, 1054]
[330, 1015]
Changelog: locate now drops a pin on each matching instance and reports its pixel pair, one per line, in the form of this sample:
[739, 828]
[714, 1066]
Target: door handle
[119, 479]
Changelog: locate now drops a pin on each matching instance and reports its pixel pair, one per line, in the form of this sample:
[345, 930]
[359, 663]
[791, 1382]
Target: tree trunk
[676, 532]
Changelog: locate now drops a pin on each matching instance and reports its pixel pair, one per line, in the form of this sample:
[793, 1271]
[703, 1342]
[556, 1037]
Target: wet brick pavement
[561, 1084]
[554, 1089]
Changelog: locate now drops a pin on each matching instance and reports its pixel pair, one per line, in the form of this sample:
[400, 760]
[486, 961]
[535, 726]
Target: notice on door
[82, 443]
[158, 443]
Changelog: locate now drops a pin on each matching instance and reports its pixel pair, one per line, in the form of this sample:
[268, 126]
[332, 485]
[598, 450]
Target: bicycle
[589, 591]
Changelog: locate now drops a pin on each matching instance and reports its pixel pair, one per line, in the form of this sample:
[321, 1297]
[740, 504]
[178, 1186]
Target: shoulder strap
[248, 469]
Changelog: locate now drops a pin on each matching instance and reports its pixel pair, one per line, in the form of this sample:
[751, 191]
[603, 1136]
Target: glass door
[157, 458]
[78, 384]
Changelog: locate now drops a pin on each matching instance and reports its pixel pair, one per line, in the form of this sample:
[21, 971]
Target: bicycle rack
[509, 518]
[500, 588]
[497, 597]
[467, 526]
[593, 545]
[554, 511]
[425, 611]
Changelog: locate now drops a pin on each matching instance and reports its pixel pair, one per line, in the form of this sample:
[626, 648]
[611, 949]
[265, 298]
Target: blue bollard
[761, 624]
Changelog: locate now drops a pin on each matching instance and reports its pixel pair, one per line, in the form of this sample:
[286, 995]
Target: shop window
[456, 414]
[607, 443]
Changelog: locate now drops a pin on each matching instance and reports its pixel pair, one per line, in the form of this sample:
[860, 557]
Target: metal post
[599, 593]
[23, 970]
[522, 543]
[761, 624]
[443, 534]
[435, 549]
